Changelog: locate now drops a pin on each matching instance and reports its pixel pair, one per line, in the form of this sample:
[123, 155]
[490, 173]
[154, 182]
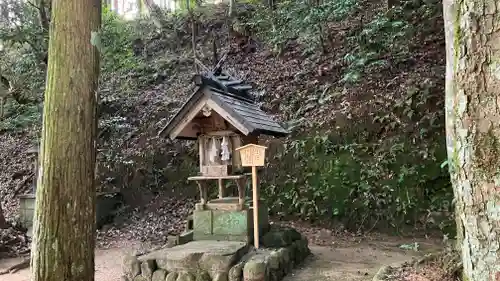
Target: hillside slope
[371, 146]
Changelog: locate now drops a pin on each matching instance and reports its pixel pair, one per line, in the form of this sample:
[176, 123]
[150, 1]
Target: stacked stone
[282, 250]
[290, 249]
[154, 270]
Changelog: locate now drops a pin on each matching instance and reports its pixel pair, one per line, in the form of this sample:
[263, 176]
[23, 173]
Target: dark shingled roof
[233, 96]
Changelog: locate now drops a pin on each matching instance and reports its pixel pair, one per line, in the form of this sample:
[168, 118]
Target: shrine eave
[242, 113]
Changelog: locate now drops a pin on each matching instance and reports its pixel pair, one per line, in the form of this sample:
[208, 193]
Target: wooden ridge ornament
[253, 155]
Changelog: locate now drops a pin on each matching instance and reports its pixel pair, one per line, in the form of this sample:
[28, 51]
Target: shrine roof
[229, 97]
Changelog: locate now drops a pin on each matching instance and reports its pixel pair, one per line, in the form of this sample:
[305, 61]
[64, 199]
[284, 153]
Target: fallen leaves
[13, 242]
[428, 272]
[162, 217]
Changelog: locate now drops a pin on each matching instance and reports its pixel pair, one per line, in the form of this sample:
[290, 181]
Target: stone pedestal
[223, 219]
[206, 260]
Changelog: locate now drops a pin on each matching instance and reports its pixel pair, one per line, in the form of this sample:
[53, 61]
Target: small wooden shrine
[222, 116]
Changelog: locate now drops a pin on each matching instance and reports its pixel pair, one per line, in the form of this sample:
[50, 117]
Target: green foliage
[29, 34]
[22, 50]
[183, 4]
[21, 62]
[117, 37]
[393, 174]
[380, 36]
[359, 182]
[388, 37]
[20, 116]
[300, 20]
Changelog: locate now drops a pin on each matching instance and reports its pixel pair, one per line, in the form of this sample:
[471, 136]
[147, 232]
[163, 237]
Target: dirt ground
[355, 261]
[108, 266]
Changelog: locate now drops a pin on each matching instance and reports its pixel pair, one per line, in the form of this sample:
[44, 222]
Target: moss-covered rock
[301, 249]
[293, 253]
[236, 272]
[172, 276]
[285, 259]
[147, 268]
[221, 276]
[185, 276]
[131, 266]
[255, 270]
[274, 265]
[159, 275]
[140, 278]
[279, 237]
[203, 276]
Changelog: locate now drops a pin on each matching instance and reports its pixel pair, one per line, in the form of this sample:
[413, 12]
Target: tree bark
[472, 127]
[3, 221]
[42, 13]
[64, 224]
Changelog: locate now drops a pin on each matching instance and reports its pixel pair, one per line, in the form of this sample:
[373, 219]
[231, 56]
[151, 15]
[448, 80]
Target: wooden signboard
[253, 155]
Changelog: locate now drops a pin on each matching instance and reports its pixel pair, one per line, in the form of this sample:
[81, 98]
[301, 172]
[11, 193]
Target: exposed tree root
[449, 260]
[15, 268]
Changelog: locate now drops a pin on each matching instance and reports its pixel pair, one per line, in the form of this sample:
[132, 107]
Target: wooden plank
[255, 208]
[221, 188]
[201, 148]
[229, 177]
[241, 192]
[218, 122]
[236, 142]
[221, 133]
[202, 186]
[188, 118]
[242, 87]
[216, 170]
[230, 83]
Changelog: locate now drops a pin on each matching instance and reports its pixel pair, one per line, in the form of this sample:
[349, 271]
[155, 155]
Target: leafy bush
[20, 116]
[388, 37]
[22, 64]
[358, 183]
[380, 36]
[391, 174]
[117, 38]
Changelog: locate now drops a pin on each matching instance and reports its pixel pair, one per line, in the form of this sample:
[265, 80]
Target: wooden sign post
[253, 155]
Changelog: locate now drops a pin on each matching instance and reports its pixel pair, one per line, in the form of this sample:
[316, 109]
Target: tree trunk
[64, 224]
[43, 6]
[473, 131]
[3, 222]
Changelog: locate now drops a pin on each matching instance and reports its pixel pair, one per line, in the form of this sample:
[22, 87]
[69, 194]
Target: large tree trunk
[64, 224]
[473, 131]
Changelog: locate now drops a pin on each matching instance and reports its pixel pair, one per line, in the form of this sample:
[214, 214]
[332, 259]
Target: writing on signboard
[252, 155]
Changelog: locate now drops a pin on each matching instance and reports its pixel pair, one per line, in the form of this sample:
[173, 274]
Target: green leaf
[95, 40]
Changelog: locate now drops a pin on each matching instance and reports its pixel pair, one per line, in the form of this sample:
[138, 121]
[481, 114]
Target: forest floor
[345, 259]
